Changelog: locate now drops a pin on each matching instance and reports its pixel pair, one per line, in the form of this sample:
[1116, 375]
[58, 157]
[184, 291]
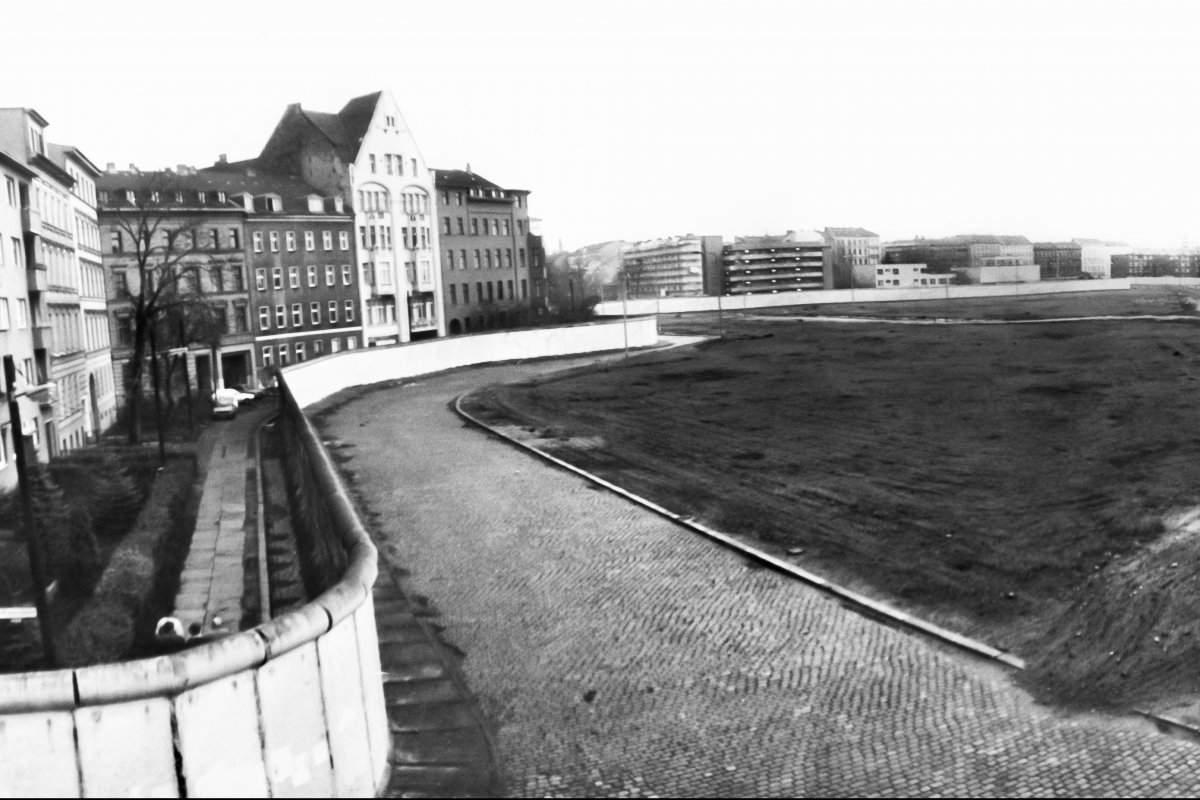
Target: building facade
[1058, 260]
[909, 276]
[794, 262]
[975, 258]
[1156, 263]
[854, 256]
[366, 154]
[493, 266]
[676, 266]
[21, 336]
[62, 299]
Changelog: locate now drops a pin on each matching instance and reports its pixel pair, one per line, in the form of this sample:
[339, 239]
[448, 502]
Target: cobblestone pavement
[617, 654]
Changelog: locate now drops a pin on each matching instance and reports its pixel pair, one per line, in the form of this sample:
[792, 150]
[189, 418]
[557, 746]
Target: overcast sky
[632, 119]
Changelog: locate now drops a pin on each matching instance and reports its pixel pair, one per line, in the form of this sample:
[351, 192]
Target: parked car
[225, 403]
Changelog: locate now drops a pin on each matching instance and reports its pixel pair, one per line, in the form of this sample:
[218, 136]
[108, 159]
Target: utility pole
[32, 540]
[625, 309]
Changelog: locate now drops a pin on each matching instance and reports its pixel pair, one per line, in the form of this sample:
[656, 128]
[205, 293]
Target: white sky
[637, 119]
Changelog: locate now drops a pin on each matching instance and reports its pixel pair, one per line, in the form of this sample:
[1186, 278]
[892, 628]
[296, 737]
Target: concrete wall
[681, 305]
[315, 380]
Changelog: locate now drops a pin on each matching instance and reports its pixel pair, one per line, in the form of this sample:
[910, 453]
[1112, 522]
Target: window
[508, 258]
[466, 292]
[260, 279]
[479, 290]
[299, 352]
[521, 254]
[115, 240]
[264, 318]
[362, 232]
[487, 256]
[414, 163]
[343, 240]
[267, 355]
[521, 227]
[314, 313]
[234, 240]
[258, 241]
[351, 343]
[463, 259]
[327, 240]
[281, 316]
[294, 277]
[274, 235]
[218, 279]
[474, 226]
[240, 323]
[499, 290]
[283, 355]
[277, 277]
[504, 227]
[458, 198]
[214, 236]
[511, 296]
[372, 160]
[460, 226]
[453, 295]
[4, 320]
[335, 344]
[345, 275]
[349, 310]
[202, 197]
[446, 225]
[120, 283]
[330, 277]
[317, 347]
[476, 259]
[10, 187]
[297, 315]
[333, 311]
[289, 238]
[524, 289]
[495, 227]
[309, 241]
[449, 259]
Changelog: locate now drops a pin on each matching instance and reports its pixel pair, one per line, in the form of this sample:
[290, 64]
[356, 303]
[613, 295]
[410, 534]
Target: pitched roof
[356, 117]
[850, 233]
[293, 192]
[459, 178]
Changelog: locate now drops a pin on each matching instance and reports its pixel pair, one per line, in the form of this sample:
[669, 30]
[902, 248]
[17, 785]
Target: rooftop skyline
[636, 120]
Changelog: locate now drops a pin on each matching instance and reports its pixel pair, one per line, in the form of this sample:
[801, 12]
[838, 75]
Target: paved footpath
[617, 654]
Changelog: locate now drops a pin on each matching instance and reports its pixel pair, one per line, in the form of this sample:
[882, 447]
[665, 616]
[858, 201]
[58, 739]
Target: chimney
[221, 159]
[468, 167]
[111, 166]
[133, 168]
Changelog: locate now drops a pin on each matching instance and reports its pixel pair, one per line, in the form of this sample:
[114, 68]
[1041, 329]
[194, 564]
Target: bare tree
[163, 276]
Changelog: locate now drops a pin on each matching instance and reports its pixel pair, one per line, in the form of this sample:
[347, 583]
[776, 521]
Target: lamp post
[625, 309]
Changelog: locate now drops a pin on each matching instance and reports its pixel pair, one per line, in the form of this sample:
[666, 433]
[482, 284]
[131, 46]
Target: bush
[142, 576]
[63, 530]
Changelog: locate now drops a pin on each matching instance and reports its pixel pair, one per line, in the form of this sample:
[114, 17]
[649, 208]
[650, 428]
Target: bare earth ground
[1028, 485]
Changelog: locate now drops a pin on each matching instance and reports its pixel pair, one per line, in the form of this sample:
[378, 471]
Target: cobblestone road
[618, 654]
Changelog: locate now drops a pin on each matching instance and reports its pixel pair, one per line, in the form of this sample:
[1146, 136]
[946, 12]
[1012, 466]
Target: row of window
[293, 274]
[496, 293]
[314, 310]
[219, 279]
[479, 192]
[487, 261]
[310, 241]
[372, 237]
[492, 226]
[180, 240]
[393, 163]
[269, 352]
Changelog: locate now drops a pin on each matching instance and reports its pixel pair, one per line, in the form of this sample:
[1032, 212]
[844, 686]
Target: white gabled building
[366, 154]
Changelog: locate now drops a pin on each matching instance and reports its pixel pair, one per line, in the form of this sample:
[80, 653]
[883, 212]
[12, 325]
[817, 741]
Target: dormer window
[130, 196]
[315, 206]
[220, 197]
[154, 197]
[179, 197]
[202, 197]
[36, 141]
[339, 206]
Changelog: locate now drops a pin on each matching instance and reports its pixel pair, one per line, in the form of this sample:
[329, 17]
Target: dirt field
[1022, 484]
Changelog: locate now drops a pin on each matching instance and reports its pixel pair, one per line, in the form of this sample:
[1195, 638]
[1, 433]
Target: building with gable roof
[854, 257]
[366, 154]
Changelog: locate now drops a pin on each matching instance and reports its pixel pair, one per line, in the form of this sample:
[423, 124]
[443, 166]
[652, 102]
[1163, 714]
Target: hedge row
[142, 576]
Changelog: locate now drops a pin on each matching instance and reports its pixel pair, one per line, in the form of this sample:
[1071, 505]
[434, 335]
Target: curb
[857, 601]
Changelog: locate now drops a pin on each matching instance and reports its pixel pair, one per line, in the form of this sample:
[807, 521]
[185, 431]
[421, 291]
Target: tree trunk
[133, 393]
[162, 447]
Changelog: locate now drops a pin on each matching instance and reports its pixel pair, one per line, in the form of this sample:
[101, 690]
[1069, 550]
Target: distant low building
[854, 255]
[1059, 260]
[1156, 263]
[909, 276]
[794, 262]
[676, 266]
[974, 258]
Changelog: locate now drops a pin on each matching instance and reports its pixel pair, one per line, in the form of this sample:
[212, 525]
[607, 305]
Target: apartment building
[794, 262]
[1156, 263]
[909, 276]
[493, 266]
[366, 154]
[854, 256]
[62, 297]
[675, 266]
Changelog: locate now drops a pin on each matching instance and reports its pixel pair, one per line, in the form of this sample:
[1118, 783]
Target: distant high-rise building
[677, 266]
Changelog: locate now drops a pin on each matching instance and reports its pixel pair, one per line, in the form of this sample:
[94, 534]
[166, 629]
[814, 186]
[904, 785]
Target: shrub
[139, 583]
[63, 530]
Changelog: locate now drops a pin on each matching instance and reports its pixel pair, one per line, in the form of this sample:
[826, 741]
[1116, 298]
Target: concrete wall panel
[378, 732]
[219, 739]
[345, 715]
[295, 743]
[110, 766]
[38, 755]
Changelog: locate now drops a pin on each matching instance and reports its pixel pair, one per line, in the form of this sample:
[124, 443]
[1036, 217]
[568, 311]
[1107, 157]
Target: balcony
[37, 278]
[419, 322]
[43, 337]
[33, 222]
